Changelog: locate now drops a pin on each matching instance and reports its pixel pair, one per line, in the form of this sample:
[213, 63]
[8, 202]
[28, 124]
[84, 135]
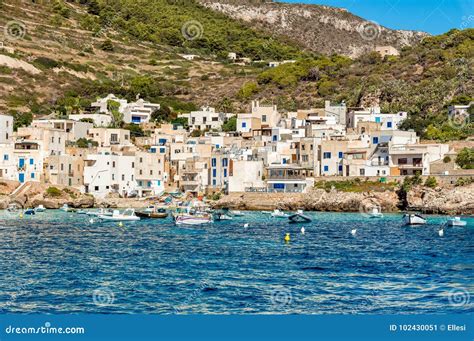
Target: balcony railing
[286, 177]
[412, 165]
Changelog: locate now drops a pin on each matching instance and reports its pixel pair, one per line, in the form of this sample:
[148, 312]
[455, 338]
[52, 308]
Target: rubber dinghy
[299, 217]
[127, 215]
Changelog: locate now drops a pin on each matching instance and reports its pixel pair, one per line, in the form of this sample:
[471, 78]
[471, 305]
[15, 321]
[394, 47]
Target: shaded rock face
[319, 28]
[458, 200]
[315, 200]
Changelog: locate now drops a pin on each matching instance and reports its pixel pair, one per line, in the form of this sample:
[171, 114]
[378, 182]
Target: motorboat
[127, 215]
[152, 212]
[66, 208]
[30, 211]
[222, 216]
[456, 221]
[236, 213]
[193, 219]
[299, 217]
[40, 209]
[12, 207]
[279, 214]
[413, 219]
[375, 213]
[101, 211]
[81, 212]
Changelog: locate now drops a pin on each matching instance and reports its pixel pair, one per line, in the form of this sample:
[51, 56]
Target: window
[402, 161]
[389, 124]
[341, 154]
[305, 158]
[133, 164]
[244, 124]
[62, 167]
[214, 173]
[214, 182]
[126, 137]
[5, 157]
[340, 168]
[141, 160]
[264, 118]
[151, 172]
[113, 176]
[213, 162]
[32, 175]
[149, 183]
[326, 155]
[362, 171]
[162, 150]
[225, 173]
[113, 164]
[123, 177]
[375, 140]
[96, 188]
[141, 172]
[326, 168]
[377, 120]
[224, 162]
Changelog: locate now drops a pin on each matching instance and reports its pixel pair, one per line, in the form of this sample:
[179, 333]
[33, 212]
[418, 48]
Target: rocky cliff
[321, 29]
[457, 200]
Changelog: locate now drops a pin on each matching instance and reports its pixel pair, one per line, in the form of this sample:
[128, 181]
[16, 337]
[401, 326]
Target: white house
[386, 121]
[205, 119]
[245, 174]
[74, 129]
[100, 120]
[108, 172]
[139, 111]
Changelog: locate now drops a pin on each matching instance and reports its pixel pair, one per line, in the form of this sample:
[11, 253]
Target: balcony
[379, 163]
[411, 166]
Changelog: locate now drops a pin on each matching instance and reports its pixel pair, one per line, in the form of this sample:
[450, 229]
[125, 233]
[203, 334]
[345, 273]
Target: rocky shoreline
[457, 200]
[442, 200]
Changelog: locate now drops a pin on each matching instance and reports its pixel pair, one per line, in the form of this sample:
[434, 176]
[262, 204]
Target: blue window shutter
[214, 173]
[326, 168]
[375, 140]
[225, 173]
[340, 155]
[32, 175]
[389, 124]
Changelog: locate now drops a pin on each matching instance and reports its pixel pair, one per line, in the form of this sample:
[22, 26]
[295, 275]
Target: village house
[106, 137]
[75, 129]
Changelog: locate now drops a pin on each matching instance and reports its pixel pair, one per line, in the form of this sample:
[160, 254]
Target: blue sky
[432, 16]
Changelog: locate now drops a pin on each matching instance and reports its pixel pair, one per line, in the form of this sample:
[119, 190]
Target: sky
[432, 16]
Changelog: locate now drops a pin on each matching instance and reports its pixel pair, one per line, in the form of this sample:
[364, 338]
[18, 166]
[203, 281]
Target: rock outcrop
[457, 200]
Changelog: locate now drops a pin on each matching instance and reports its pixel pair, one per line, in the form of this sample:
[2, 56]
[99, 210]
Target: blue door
[21, 163]
[21, 177]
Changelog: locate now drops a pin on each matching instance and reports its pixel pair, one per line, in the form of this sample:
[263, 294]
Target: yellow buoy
[120, 224]
[287, 237]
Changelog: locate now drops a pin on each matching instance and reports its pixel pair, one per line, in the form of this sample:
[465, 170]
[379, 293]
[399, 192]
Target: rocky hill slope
[321, 29]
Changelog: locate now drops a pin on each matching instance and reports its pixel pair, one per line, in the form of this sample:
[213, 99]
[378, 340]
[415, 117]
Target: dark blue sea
[57, 262]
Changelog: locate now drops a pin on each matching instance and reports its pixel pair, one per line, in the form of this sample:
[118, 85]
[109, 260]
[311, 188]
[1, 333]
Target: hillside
[322, 29]
[68, 53]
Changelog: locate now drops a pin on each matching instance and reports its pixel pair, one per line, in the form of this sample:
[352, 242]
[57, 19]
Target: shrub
[446, 159]
[53, 192]
[107, 45]
[465, 158]
[431, 182]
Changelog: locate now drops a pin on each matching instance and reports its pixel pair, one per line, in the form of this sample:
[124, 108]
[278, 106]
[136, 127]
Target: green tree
[465, 158]
[230, 125]
[163, 114]
[431, 182]
[21, 119]
[117, 116]
[196, 133]
[107, 46]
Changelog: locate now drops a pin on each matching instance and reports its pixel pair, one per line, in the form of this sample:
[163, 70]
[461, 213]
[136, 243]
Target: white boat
[222, 216]
[193, 219]
[456, 221]
[279, 214]
[127, 215]
[81, 212]
[375, 213]
[236, 213]
[40, 209]
[66, 208]
[413, 219]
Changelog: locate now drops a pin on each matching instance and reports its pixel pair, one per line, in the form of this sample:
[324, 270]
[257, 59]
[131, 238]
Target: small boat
[81, 212]
[299, 217]
[12, 207]
[456, 221]
[30, 211]
[193, 219]
[127, 215]
[152, 212]
[414, 219]
[236, 213]
[222, 216]
[40, 209]
[279, 214]
[66, 208]
[375, 213]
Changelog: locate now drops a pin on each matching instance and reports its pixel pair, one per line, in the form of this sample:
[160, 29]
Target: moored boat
[299, 217]
[40, 209]
[30, 211]
[456, 221]
[152, 212]
[414, 219]
[127, 215]
[101, 211]
[66, 208]
[375, 213]
[81, 212]
[236, 213]
[222, 216]
[279, 214]
[193, 219]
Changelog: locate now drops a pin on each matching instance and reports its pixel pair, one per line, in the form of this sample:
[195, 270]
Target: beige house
[106, 137]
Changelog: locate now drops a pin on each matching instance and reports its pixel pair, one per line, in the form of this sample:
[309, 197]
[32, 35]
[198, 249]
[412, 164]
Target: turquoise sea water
[57, 262]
